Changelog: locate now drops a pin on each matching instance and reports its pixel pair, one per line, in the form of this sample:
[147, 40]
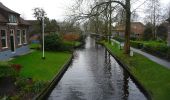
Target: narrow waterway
[95, 75]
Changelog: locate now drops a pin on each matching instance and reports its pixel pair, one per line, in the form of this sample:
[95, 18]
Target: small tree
[162, 32]
[38, 13]
[148, 32]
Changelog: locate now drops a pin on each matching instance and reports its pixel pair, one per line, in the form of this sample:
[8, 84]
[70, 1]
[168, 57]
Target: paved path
[149, 56]
[153, 58]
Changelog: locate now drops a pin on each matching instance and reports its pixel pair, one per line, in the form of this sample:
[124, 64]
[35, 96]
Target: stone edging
[141, 87]
[45, 93]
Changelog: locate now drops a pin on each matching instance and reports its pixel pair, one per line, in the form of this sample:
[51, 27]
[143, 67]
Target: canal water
[95, 75]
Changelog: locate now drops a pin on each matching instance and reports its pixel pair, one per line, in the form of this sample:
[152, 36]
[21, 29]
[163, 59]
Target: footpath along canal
[95, 75]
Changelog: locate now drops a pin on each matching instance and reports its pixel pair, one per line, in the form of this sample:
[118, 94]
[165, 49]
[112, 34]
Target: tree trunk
[110, 22]
[127, 28]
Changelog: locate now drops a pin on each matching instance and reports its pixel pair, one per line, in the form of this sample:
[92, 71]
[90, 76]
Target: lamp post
[168, 39]
[43, 56]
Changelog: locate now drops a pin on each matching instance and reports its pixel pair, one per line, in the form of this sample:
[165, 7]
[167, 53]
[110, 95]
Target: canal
[95, 75]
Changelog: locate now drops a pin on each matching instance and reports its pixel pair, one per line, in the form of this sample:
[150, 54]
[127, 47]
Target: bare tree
[96, 10]
[38, 13]
[153, 14]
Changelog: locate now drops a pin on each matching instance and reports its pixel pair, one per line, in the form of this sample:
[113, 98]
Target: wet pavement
[95, 75]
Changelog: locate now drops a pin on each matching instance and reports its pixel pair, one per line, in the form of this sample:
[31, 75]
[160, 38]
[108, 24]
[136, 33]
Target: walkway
[153, 58]
[149, 56]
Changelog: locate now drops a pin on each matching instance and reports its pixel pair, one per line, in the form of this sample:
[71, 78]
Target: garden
[26, 76]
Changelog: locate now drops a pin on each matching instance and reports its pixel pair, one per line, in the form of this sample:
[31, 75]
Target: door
[12, 40]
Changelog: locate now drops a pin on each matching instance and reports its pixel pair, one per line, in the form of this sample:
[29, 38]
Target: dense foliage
[53, 42]
[6, 70]
[148, 32]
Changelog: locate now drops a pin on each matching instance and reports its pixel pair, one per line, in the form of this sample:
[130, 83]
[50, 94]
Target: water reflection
[95, 75]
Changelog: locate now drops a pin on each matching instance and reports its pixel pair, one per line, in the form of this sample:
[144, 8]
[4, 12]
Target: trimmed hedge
[160, 50]
[119, 39]
[136, 44]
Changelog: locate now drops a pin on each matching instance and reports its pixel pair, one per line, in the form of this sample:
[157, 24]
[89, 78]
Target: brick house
[137, 29]
[13, 33]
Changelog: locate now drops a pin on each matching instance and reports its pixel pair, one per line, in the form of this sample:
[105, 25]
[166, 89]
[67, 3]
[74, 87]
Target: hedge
[136, 44]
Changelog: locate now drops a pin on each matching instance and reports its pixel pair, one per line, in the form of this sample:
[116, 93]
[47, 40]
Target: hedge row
[154, 48]
[136, 44]
[160, 50]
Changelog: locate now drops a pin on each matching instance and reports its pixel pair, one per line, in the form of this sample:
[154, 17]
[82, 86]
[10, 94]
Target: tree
[96, 9]
[162, 32]
[153, 14]
[148, 32]
[38, 13]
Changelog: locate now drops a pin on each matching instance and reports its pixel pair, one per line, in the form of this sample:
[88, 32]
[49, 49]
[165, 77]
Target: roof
[121, 27]
[23, 22]
[137, 23]
[7, 9]
[2, 18]
[31, 22]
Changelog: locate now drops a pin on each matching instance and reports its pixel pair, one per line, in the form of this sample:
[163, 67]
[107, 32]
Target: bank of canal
[95, 75]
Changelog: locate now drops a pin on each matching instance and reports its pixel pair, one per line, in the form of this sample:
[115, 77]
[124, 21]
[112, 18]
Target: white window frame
[20, 37]
[25, 36]
[5, 39]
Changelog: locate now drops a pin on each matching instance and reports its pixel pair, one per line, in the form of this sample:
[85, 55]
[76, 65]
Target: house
[137, 29]
[13, 33]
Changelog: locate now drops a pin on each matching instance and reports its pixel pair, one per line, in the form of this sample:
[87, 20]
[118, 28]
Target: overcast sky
[55, 9]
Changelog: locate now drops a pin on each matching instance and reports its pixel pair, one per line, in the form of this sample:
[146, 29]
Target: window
[24, 36]
[19, 37]
[12, 19]
[3, 38]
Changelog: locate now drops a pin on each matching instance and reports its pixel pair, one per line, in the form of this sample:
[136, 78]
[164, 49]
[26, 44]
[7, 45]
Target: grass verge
[154, 77]
[39, 69]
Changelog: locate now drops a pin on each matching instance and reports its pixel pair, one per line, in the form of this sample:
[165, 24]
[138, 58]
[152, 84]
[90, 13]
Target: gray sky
[55, 9]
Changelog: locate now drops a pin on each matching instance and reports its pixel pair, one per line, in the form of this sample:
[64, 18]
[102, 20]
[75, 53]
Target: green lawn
[39, 69]
[154, 77]
[72, 43]
[35, 45]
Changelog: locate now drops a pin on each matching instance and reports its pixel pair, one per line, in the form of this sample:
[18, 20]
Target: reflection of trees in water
[125, 85]
[107, 62]
[125, 81]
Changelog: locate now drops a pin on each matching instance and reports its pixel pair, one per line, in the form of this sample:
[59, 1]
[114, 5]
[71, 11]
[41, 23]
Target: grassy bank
[154, 77]
[39, 69]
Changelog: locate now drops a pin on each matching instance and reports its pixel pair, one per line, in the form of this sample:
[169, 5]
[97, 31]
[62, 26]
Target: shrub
[136, 44]
[6, 70]
[119, 39]
[71, 37]
[53, 42]
[158, 49]
[16, 67]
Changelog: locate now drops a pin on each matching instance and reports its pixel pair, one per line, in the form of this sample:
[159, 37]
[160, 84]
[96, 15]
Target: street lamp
[43, 56]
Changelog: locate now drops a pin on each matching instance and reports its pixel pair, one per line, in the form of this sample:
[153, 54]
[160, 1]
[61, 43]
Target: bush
[71, 37]
[158, 49]
[119, 39]
[136, 44]
[6, 70]
[53, 42]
